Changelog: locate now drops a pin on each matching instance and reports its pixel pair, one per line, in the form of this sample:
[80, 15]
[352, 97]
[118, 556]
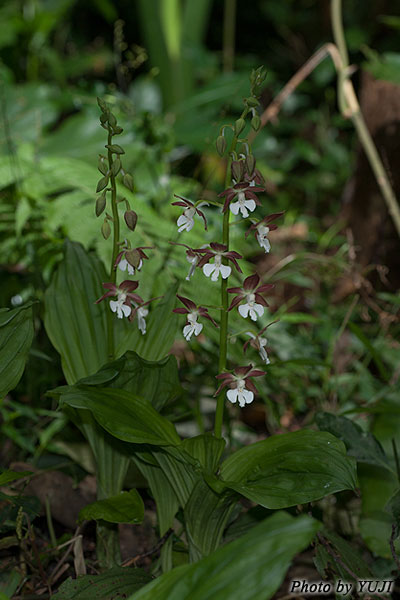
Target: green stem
[113, 273]
[223, 335]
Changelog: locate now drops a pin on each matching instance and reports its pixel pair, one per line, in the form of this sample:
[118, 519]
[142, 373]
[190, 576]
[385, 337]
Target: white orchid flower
[124, 265]
[118, 306]
[215, 269]
[141, 314]
[240, 394]
[243, 204]
[186, 221]
[261, 237]
[260, 343]
[193, 327]
[251, 308]
[193, 260]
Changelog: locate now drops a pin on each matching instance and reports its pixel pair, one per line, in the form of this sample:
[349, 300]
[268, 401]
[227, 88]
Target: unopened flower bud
[133, 258]
[102, 183]
[102, 105]
[117, 130]
[130, 219]
[100, 204]
[115, 167]
[250, 164]
[221, 145]
[251, 101]
[115, 148]
[106, 229]
[112, 120]
[104, 119]
[102, 165]
[128, 181]
[256, 122]
[237, 170]
[239, 126]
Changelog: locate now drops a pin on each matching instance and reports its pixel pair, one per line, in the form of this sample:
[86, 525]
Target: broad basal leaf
[76, 326]
[289, 469]
[126, 507]
[206, 515]
[363, 446]
[162, 326]
[16, 335]
[250, 568]
[121, 414]
[156, 382]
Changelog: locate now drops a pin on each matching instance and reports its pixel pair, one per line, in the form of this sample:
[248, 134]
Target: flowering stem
[223, 336]
[113, 273]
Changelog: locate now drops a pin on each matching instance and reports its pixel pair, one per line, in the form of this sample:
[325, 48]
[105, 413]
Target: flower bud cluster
[126, 258]
[217, 259]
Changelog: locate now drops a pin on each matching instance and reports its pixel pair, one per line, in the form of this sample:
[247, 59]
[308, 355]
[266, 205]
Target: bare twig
[153, 550]
[348, 105]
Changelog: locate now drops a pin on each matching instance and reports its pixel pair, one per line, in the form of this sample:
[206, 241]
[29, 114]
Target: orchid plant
[244, 186]
[127, 389]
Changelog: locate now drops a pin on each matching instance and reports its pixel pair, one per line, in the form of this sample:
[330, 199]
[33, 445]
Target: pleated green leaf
[16, 335]
[116, 583]
[156, 382]
[121, 414]
[250, 568]
[166, 500]
[162, 326]
[126, 507]
[289, 469]
[206, 515]
[206, 449]
[77, 326]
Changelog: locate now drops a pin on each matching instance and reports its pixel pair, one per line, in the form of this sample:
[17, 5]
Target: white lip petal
[126, 310]
[259, 309]
[188, 332]
[208, 269]
[244, 212]
[264, 356]
[225, 271]
[248, 396]
[244, 310]
[182, 220]
[123, 264]
[114, 305]
[250, 205]
[232, 395]
[131, 270]
[197, 328]
[234, 208]
[253, 314]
